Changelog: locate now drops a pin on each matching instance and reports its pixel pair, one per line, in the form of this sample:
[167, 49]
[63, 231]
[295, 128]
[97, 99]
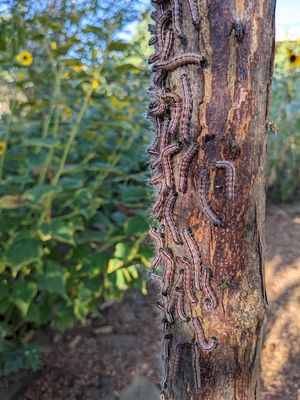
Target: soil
[96, 361]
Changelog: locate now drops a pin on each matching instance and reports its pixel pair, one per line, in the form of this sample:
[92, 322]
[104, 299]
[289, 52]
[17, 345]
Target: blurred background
[75, 321]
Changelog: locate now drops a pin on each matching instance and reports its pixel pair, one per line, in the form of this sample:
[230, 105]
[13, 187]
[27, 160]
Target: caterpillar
[176, 110]
[176, 288]
[185, 165]
[163, 20]
[194, 12]
[180, 306]
[167, 310]
[168, 214]
[162, 396]
[166, 373]
[177, 21]
[169, 270]
[166, 324]
[158, 108]
[179, 61]
[154, 15]
[155, 263]
[152, 40]
[202, 342]
[158, 206]
[167, 153]
[187, 108]
[158, 237]
[152, 29]
[176, 361]
[196, 368]
[210, 301]
[163, 141]
[163, 54]
[156, 179]
[195, 254]
[188, 281]
[167, 342]
[230, 176]
[203, 191]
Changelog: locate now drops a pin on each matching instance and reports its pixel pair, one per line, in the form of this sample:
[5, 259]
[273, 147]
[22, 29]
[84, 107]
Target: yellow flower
[294, 61]
[66, 75]
[53, 46]
[78, 68]
[95, 84]
[21, 76]
[2, 148]
[24, 58]
[95, 53]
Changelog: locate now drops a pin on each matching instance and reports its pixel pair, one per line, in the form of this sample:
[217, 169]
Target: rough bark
[230, 87]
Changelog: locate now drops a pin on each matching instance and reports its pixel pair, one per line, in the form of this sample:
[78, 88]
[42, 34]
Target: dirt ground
[95, 362]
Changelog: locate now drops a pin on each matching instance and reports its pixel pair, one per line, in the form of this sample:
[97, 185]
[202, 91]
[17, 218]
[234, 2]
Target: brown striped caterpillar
[159, 77]
[156, 278]
[167, 310]
[156, 179]
[188, 280]
[152, 40]
[155, 263]
[176, 110]
[173, 295]
[166, 324]
[166, 374]
[203, 191]
[169, 270]
[168, 214]
[196, 367]
[154, 15]
[152, 29]
[162, 22]
[185, 165]
[167, 166]
[187, 108]
[206, 345]
[157, 236]
[180, 306]
[163, 141]
[194, 12]
[230, 176]
[176, 361]
[195, 254]
[158, 206]
[179, 61]
[167, 343]
[210, 301]
[177, 21]
[158, 108]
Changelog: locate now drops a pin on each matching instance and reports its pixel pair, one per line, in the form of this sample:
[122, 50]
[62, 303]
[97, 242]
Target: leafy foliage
[72, 189]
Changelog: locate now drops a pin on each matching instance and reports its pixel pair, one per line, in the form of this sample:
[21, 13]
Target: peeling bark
[223, 89]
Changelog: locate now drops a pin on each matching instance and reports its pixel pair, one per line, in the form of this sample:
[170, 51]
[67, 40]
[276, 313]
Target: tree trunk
[212, 66]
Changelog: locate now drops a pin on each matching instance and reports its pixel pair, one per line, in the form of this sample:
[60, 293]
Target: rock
[103, 330]
[140, 388]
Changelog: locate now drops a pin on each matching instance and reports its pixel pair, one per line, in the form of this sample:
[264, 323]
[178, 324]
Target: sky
[288, 19]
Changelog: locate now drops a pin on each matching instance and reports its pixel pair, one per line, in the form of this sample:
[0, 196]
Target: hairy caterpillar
[195, 254]
[166, 155]
[154, 15]
[163, 20]
[156, 278]
[168, 213]
[167, 310]
[177, 21]
[179, 61]
[180, 306]
[152, 29]
[166, 324]
[158, 206]
[210, 301]
[166, 373]
[158, 108]
[176, 361]
[155, 263]
[167, 343]
[156, 179]
[187, 108]
[158, 237]
[188, 280]
[169, 270]
[202, 342]
[165, 51]
[230, 176]
[196, 367]
[152, 40]
[176, 110]
[203, 191]
[163, 141]
[185, 165]
[173, 296]
[194, 12]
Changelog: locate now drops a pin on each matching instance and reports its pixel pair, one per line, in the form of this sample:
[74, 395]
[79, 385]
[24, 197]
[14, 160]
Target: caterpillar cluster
[182, 281]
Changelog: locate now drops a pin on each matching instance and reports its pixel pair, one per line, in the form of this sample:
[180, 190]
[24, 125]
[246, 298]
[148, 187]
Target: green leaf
[136, 225]
[62, 231]
[38, 193]
[23, 252]
[118, 46]
[14, 201]
[22, 295]
[53, 278]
